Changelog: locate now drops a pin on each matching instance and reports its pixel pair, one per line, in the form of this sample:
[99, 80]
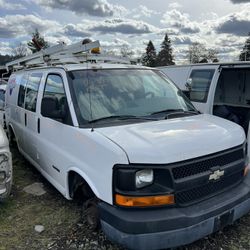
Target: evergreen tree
[245, 53]
[149, 59]
[165, 56]
[37, 43]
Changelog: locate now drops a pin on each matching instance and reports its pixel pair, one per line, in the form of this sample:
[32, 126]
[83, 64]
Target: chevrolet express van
[153, 171]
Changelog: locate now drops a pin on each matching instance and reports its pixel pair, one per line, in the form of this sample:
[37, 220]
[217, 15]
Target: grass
[64, 227]
[22, 211]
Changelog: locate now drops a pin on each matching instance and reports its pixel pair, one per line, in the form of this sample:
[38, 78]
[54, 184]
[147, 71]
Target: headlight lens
[4, 167]
[2, 177]
[144, 178]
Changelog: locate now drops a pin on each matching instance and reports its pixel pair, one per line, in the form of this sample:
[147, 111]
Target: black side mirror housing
[50, 108]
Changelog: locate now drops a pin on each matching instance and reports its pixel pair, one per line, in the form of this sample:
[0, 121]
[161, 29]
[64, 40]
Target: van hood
[173, 140]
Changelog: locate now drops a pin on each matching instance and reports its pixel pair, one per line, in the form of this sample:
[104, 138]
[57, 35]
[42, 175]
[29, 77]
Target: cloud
[5, 48]
[237, 23]
[240, 1]
[11, 6]
[175, 5]
[117, 42]
[75, 30]
[177, 40]
[143, 11]
[13, 26]
[123, 26]
[176, 19]
[100, 8]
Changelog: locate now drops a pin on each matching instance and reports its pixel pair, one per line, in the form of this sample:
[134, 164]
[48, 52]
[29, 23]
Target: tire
[91, 214]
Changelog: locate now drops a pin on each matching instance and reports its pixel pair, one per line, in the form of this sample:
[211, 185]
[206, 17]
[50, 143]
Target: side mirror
[50, 108]
[188, 84]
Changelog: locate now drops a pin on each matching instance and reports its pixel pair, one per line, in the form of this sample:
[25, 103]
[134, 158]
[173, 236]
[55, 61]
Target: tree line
[196, 53]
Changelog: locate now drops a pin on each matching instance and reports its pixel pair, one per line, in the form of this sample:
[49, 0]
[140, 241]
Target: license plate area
[223, 220]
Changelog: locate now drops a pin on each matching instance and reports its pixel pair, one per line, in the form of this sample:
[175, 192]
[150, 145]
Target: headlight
[2, 177]
[4, 167]
[144, 178]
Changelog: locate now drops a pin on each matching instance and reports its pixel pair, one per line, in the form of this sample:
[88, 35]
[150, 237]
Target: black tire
[91, 214]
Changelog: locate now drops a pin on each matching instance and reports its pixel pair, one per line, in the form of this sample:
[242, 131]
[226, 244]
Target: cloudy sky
[220, 24]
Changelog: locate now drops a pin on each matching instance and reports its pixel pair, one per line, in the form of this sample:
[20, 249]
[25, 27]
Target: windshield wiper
[167, 111]
[175, 111]
[122, 117]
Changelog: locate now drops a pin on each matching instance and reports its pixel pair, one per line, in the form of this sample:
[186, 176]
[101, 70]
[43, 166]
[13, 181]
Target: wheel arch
[11, 131]
[75, 177]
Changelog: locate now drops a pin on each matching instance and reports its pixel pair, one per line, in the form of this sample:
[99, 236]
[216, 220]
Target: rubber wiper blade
[167, 111]
[122, 117]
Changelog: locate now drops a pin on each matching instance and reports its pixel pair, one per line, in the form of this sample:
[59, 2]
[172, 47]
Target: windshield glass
[123, 92]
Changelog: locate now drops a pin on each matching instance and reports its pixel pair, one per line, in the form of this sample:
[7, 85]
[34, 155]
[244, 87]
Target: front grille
[202, 165]
[210, 189]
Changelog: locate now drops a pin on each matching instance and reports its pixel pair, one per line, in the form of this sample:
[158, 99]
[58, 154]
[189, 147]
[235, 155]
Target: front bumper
[171, 227]
[5, 187]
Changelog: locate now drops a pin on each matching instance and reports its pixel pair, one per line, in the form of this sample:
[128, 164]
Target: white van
[3, 85]
[221, 89]
[154, 172]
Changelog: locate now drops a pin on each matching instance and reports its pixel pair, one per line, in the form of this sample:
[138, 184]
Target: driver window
[54, 89]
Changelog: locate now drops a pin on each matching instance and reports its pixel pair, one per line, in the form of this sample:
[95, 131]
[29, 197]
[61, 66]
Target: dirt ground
[65, 229]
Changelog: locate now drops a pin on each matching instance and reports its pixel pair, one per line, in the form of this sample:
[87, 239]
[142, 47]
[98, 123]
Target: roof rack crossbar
[63, 54]
[54, 53]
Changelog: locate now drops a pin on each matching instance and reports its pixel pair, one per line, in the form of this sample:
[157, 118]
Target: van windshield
[100, 94]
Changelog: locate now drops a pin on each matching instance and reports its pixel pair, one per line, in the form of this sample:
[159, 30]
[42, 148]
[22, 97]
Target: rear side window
[22, 88]
[200, 83]
[32, 91]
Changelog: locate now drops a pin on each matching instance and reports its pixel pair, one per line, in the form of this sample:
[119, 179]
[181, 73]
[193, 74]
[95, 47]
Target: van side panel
[179, 75]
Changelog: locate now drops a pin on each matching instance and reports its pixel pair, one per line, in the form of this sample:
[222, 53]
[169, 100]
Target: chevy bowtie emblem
[216, 175]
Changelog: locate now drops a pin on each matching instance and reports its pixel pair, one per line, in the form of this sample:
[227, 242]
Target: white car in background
[5, 155]
[3, 85]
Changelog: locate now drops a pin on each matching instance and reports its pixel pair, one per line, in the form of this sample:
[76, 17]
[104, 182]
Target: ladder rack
[64, 54]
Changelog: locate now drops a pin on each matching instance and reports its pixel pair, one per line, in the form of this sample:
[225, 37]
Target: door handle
[25, 119]
[38, 125]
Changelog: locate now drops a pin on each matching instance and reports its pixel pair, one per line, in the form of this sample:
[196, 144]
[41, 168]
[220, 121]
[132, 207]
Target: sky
[218, 24]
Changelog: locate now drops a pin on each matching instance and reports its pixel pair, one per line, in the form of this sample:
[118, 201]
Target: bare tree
[198, 53]
[126, 51]
[20, 51]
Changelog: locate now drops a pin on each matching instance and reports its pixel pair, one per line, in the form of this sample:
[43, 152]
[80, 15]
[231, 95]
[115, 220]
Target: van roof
[240, 63]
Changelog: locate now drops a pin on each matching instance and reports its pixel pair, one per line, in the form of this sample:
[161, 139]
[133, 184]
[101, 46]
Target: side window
[54, 89]
[22, 88]
[200, 83]
[32, 91]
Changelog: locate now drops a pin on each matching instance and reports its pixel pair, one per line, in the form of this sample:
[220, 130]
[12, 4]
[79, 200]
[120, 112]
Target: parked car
[221, 89]
[3, 85]
[153, 171]
[5, 167]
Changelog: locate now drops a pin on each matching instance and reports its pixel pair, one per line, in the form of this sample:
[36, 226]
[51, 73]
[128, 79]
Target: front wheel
[91, 214]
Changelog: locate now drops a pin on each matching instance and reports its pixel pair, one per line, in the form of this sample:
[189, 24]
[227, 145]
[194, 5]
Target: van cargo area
[232, 96]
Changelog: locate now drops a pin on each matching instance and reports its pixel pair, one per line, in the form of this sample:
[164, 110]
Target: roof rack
[64, 54]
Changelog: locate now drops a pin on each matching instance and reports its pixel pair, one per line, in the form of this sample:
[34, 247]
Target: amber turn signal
[145, 201]
[96, 50]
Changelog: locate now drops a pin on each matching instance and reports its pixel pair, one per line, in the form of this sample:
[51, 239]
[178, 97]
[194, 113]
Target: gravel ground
[65, 229]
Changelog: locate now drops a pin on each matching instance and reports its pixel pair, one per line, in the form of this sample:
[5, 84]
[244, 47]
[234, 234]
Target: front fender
[85, 177]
